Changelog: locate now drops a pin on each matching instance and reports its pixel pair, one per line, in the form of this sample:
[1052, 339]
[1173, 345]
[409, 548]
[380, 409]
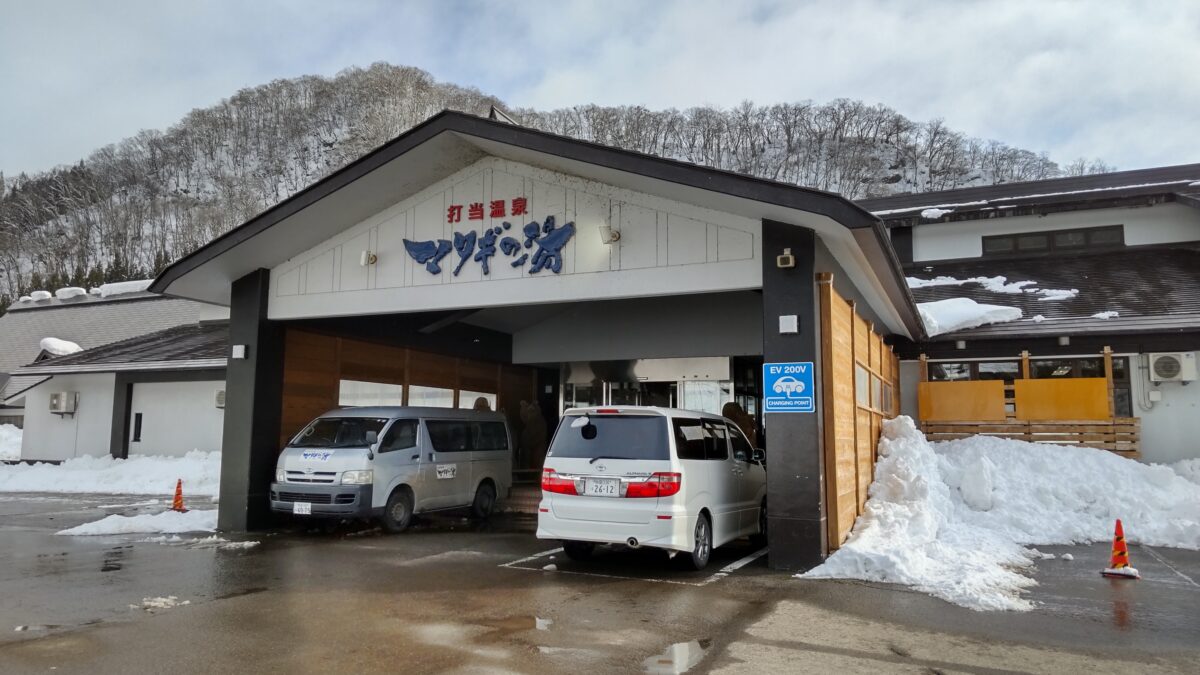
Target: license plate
[602, 487]
[302, 508]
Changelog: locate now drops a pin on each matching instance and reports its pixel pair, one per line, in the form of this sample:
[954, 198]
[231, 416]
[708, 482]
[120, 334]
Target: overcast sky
[1117, 81]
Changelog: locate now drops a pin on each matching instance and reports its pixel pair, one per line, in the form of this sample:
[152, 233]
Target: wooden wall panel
[1084, 398]
[974, 400]
[852, 420]
[310, 380]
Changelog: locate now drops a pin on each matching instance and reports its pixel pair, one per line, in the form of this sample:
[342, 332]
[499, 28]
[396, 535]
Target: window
[402, 434]
[716, 444]
[998, 370]
[705, 396]
[1057, 240]
[449, 436]
[689, 439]
[616, 436]
[489, 436]
[949, 372]
[862, 382]
[475, 400]
[876, 392]
[358, 393]
[433, 397]
[742, 450]
[338, 432]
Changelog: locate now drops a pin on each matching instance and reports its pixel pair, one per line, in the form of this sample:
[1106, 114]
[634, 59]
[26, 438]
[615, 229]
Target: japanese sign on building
[538, 244]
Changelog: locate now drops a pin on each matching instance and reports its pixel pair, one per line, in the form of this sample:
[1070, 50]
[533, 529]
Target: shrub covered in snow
[953, 519]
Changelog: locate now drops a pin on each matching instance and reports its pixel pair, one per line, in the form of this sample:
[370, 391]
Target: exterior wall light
[609, 235]
[1064, 341]
[786, 260]
[960, 344]
[367, 258]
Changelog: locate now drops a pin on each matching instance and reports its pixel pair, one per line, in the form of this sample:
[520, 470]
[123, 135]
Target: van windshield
[338, 432]
[612, 436]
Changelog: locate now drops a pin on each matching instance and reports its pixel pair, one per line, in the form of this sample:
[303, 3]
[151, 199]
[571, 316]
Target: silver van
[393, 462]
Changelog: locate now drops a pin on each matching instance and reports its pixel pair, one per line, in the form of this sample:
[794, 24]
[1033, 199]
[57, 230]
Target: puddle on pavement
[678, 658]
[113, 558]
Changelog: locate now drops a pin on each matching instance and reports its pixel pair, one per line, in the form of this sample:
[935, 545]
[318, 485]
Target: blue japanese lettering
[550, 246]
[428, 252]
[464, 244]
[487, 248]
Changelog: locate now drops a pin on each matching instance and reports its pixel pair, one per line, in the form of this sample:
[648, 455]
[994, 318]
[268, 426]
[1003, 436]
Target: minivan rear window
[338, 432]
[616, 437]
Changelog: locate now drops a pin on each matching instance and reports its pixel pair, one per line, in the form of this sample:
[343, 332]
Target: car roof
[398, 411]
[643, 410]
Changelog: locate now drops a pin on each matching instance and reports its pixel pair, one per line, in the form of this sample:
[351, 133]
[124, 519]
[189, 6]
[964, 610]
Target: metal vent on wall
[221, 398]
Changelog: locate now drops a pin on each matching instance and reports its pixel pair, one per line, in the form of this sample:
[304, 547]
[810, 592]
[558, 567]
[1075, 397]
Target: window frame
[1014, 241]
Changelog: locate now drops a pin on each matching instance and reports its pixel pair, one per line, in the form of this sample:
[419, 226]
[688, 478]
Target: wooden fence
[1066, 411]
[859, 389]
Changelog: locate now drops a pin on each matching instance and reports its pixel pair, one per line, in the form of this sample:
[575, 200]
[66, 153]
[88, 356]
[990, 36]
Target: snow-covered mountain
[130, 208]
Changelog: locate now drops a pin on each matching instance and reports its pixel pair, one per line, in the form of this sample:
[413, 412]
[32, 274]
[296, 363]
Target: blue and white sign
[788, 388]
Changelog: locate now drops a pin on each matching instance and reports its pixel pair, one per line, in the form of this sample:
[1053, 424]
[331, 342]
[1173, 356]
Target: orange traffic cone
[1120, 568]
[177, 505]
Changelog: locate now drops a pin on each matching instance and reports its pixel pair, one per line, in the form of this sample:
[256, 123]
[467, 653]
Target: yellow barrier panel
[1084, 398]
[967, 400]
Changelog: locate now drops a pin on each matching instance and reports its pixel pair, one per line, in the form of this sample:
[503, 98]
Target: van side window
[402, 434]
[716, 446]
[741, 447]
[689, 438]
[448, 436]
[490, 436]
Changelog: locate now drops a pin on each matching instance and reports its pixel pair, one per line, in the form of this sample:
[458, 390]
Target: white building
[1111, 260]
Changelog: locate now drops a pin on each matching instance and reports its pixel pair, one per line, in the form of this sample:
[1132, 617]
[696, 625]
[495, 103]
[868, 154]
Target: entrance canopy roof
[450, 141]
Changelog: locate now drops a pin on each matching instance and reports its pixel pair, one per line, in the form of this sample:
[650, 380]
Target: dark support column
[253, 390]
[118, 442]
[795, 463]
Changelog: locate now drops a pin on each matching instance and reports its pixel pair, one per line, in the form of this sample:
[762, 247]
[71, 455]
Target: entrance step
[524, 499]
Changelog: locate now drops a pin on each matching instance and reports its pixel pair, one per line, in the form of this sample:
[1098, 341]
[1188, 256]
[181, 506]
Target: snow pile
[167, 602]
[138, 475]
[10, 442]
[1106, 315]
[945, 316]
[953, 519]
[998, 284]
[934, 214]
[1189, 469]
[1038, 318]
[69, 292]
[166, 522]
[39, 296]
[123, 287]
[1055, 293]
[25, 298]
[56, 347]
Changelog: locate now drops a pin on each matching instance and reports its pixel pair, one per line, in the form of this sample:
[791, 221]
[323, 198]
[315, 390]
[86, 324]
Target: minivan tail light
[552, 482]
[660, 484]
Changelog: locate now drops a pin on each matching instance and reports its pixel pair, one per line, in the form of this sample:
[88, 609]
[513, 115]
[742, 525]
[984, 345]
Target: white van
[393, 462]
[678, 480]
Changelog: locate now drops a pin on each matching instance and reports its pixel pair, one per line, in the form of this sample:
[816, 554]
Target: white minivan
[678, 480]
[391, 463]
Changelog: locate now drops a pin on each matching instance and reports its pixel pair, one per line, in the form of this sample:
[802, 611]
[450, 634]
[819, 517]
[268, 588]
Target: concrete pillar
[253, 392]
[795, 462]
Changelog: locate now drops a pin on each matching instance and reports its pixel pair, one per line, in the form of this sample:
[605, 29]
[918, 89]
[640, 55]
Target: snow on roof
[39, 296]
[947, 316]
[946, 208]
[123, 287]
[997, 284]
[56, 347]
[934, 214]
[69, 292]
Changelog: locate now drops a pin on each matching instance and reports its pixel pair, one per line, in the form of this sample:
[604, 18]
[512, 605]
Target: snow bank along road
[955, 519]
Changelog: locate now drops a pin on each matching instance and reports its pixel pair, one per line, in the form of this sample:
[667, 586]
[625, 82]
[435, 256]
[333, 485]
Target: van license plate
[302, 508]
[602, 487]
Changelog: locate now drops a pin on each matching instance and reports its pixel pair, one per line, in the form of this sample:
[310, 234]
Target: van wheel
[485, 501]
[760, 539]
[398, 513]
[702, 549]
[578, 550]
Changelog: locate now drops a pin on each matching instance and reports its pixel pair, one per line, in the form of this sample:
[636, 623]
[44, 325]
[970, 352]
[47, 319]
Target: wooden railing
[1068, 411]
[1121, 435]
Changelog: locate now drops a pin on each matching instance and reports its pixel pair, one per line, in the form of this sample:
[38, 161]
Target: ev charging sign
[788, 388]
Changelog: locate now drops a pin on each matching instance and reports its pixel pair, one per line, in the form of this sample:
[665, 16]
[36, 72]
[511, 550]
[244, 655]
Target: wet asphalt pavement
[458, 596]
